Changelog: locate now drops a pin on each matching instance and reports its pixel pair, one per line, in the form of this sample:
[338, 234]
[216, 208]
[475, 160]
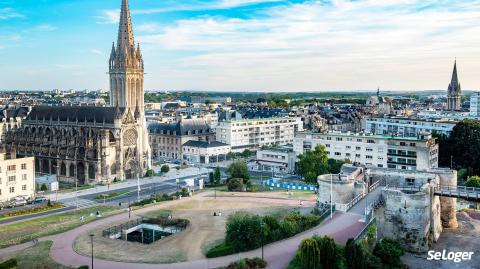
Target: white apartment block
[281, 160]
[17, 177]
[475, 104]
[254, 133]
[402, 126]
[406, 153]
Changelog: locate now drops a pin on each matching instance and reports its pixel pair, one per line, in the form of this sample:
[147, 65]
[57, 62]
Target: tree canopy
[473, 182]
[239, 169]
[313, 163]
[462, 147]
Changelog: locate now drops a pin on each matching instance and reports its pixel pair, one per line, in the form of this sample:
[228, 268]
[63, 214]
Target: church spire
[125, 32]
[454, 81]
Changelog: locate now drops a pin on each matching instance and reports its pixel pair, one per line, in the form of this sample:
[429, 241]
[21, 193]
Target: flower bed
[39, 209]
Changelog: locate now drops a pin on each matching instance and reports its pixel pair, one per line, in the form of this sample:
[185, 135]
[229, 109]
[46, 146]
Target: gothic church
[93, 144]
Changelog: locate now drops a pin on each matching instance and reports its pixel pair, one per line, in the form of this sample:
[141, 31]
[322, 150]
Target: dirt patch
[464, 239]
[204, 230]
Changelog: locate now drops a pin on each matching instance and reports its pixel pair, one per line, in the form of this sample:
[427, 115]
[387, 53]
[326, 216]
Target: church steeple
[125, 32]
[454, 91]
[126, 66]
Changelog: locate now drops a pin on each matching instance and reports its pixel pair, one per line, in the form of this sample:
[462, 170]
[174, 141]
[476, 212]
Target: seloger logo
[450, 256]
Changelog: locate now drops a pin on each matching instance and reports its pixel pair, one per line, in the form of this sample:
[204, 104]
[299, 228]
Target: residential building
[244, 134]
[454, 92]
[205, 152]
[407, 153]
[17, 177]
[403, 126]
[475, 105]
[278, 159]
[167, 139]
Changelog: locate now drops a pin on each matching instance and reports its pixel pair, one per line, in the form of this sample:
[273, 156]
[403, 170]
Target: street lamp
[91, 240]
[331, 196]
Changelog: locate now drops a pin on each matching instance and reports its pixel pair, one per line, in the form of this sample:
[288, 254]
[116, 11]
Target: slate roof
[8, 113]
[74, 113]
[183, 127]
[204, 144]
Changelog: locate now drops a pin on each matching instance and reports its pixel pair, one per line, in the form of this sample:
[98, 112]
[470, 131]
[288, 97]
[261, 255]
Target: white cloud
[9, 13]
[148, 27]
[109, 16]
[345, 44]
[96, 51]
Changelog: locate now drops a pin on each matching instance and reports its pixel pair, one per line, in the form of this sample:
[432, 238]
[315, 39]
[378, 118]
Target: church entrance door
[81, 173]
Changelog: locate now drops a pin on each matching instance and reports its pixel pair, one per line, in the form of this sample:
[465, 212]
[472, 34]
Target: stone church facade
[93, 144]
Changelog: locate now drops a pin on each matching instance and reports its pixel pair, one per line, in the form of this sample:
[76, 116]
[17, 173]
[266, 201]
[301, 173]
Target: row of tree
[316, 162]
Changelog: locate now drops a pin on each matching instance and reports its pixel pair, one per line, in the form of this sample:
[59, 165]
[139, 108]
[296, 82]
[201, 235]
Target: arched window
[63, 169]
[91, 171]
[71, 170]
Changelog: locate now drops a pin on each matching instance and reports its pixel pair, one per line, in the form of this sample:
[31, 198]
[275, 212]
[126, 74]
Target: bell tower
[126, 66]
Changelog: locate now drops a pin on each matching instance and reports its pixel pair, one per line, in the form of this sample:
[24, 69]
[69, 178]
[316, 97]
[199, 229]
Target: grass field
[20, 232]
[35, 257]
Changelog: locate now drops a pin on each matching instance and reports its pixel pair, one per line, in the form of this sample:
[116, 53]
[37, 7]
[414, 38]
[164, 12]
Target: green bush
[235, 184]
[239, 170]
[255, 263]
[165, 169]
[309, 254]
[243, 231]
[389, 251]
[8, 264]
[149, 173]
[327, 251]
[473, 182]
[219, 250]
[44, 187]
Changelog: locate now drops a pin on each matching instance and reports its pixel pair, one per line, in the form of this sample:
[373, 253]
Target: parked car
[17, 202]
[39, 200]
[4, 205]
[27, 198]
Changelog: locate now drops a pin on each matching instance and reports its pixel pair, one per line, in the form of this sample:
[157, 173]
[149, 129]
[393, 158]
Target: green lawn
[109, 196]
[16, 233]
[36, 257]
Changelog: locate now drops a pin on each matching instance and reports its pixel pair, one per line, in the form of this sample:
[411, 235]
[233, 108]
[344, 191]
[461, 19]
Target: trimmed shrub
[165, 169]
[309, 254]
[255, 263]
[219, 250]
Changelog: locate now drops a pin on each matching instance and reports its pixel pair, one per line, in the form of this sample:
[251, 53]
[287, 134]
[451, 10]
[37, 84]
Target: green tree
[327, 251]
[239, 169]
[210, 178]
[243, 230]
[389, 251]
[43, 187]
[313, 163]
[235, 184]
[164, 169]
[309, 254]
[473, 182]
[334, 166]
[462, 148]
[149, 173]
[355, 256]
[217, 176]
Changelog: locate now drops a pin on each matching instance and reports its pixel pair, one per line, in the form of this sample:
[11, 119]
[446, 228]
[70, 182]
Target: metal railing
[405, 187]
[122, 227]
[458, 191]
[364, 231]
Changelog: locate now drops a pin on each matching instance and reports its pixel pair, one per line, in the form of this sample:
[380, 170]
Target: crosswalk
[82, 203]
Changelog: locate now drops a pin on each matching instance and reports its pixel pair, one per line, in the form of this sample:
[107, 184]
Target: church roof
[74, 113]
[454, 87]
[125, 32]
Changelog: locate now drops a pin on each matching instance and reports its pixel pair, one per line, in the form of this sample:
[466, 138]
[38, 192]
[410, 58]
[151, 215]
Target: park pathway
[341, 227]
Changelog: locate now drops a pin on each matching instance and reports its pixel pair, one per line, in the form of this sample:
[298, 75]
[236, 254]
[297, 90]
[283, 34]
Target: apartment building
[280, 159]
[402, 126]
[475, 104]
[406, 153]
[243, 134]
[205, 152]
[17, 177]
[167, 139]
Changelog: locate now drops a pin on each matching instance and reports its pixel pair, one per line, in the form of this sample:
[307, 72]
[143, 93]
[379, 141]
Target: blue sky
[245, 45]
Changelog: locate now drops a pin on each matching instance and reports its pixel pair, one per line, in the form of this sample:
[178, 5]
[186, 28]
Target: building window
[24, 166]
[358, 148]
[24, 177]
[11, 168]
[11, 178]
[370, 141]
[24, 187]
[12, 189]
[338, 154]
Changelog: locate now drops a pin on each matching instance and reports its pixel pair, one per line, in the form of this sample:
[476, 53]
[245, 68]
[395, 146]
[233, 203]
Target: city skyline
[207, 45]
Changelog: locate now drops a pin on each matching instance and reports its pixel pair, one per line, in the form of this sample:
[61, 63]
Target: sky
[245, 45]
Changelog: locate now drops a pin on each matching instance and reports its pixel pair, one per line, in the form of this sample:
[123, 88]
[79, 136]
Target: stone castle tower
[126, 67]
[454, 102]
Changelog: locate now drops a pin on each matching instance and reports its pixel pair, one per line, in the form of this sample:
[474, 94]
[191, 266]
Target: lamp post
[331, 196]
[263, 235]
[91, 240]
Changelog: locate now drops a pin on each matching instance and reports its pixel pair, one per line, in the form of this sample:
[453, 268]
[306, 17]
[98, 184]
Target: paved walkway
[341, 227]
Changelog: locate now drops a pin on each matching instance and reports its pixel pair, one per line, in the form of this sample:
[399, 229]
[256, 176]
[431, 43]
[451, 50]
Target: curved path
[277, 254]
